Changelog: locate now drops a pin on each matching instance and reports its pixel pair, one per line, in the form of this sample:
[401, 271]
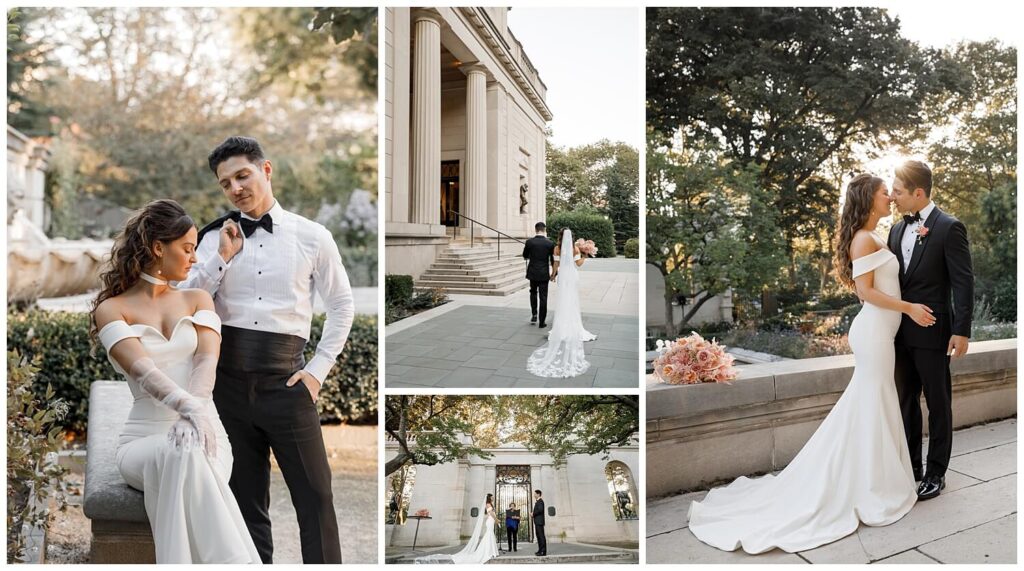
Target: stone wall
[577, 489]
[698, 435]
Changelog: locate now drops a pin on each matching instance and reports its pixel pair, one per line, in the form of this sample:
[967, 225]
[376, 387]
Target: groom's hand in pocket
[307, 379]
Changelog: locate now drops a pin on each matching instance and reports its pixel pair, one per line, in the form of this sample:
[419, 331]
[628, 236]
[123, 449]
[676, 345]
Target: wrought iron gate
[512, 484]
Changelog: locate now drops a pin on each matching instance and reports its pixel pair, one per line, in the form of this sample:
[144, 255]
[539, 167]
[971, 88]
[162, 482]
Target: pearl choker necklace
[151, 279]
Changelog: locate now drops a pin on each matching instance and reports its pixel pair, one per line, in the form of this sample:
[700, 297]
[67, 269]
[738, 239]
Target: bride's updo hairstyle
[161, 220]
[490, 499]
[856, 211]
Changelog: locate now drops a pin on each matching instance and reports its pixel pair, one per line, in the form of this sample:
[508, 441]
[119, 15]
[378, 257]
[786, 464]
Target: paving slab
[912, 557]
[992, 542]
[987, 464]
[972, 521]
[683, 548]
[494, 343]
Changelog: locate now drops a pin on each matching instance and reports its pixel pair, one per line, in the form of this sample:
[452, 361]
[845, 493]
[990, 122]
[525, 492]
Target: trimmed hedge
[585, 225]
[70, 363]
[397, 290]
[632, 248]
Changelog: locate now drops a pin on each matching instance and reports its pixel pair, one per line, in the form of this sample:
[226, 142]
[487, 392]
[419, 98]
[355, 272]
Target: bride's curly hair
[856, 211]
[161, 220]
[490, 499]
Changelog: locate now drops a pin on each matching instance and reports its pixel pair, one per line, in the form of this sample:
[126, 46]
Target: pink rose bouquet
[693, 359]
[586, 247]
[423, 513]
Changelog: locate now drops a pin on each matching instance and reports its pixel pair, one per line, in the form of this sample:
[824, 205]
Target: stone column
[426, 118]
[475, 185]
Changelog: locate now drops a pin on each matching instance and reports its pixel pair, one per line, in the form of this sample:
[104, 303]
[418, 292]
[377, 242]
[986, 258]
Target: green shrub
[1004, 299]
[632, 248]
[33, 436]
[585, 225]
[397, 290]
[69, 363]
[66, 358]
[350, 392]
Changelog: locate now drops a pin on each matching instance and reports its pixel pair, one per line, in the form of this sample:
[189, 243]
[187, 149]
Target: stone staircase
[477, 270]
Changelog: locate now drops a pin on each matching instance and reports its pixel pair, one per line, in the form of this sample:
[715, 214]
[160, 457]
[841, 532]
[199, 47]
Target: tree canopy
[433, 430]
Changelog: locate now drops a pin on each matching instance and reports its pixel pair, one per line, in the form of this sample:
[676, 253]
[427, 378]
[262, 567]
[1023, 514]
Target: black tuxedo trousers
[261, 413]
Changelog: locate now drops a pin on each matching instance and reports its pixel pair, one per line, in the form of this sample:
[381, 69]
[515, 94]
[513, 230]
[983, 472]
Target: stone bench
[120, 527]
[699, 435]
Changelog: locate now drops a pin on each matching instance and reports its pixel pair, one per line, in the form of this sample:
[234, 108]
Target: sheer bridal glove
[194, 428]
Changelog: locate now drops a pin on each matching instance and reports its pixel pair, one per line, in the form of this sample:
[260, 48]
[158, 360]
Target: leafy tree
[26, 58]
[602, 176]
[562, 425]
[786, 89]
[431, 429]
[710, 227]
[975, 166]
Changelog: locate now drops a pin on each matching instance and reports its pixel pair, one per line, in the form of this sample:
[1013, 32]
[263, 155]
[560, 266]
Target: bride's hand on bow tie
[230, 240]
[307, 379]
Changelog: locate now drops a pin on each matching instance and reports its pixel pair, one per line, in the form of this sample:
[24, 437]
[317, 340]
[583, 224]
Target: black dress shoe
[533, 319]
[930, 487]
[542, 325]
[538, 553]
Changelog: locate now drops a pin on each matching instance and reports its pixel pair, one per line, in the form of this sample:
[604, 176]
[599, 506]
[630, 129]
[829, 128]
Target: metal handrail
[472, 231]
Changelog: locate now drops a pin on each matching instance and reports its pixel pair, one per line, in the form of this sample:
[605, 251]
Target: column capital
[428, 14]
[475, 67]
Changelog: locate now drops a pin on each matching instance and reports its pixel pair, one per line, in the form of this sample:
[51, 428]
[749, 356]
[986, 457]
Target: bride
[856, 467]
[482, 545]
[166, 343]
[563, 355]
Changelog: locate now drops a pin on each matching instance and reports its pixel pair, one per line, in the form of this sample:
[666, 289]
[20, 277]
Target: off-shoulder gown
[192, 512]
[855, 468]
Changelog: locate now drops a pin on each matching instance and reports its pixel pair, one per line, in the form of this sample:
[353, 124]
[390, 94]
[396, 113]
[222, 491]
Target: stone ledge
[701, 434]
[797, 378]
[107, 496]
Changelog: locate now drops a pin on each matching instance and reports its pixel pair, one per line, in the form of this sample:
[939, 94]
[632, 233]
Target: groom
[935, 259]
[541, 255]
[262, 263]
[538, 523]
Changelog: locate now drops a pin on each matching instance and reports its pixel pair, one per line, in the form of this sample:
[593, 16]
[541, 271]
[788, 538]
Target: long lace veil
[563, 355]
[466, 553]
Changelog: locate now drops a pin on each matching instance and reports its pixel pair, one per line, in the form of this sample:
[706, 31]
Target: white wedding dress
[192, 512]
[563, 356]
[855, 468]
[481, 547]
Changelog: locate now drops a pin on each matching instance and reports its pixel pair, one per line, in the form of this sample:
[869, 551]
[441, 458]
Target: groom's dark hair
[234, 146]
[915, 175]
[538, 492]
[539, 226]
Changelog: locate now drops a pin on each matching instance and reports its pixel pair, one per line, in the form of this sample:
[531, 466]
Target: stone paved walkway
[974, 520]
[484, 341]
[487, 347]
[558, 553]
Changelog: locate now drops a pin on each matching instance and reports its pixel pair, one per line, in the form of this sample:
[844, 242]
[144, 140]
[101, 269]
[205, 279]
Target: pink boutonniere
[922, 233]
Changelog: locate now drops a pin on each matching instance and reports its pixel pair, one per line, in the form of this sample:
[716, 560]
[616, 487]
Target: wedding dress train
[481, 547]
[855, 468]
[563, 355]
[192, 512]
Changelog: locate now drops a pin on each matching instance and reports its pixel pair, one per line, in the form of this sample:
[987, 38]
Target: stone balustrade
[698, 435]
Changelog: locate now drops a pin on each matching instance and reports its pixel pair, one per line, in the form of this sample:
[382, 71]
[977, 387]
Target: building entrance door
[512, 484]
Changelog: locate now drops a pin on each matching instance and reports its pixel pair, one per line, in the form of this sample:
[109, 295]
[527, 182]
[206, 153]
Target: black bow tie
[906, 218]
[250, 226]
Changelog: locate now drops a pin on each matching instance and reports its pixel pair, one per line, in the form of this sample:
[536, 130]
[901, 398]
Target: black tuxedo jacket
[940, 265]
[538, 513]
[541, 253]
